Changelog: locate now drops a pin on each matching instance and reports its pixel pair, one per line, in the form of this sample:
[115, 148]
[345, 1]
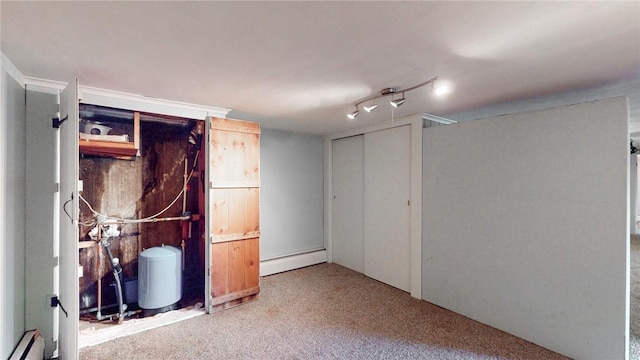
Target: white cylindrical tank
[159, 277]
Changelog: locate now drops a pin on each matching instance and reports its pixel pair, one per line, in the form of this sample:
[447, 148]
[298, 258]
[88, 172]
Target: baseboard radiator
[292, 262]
[30, 347]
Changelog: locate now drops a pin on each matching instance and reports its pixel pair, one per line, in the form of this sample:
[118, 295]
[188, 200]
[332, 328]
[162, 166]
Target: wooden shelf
[107, 148]
[115, 149]
[86, 244]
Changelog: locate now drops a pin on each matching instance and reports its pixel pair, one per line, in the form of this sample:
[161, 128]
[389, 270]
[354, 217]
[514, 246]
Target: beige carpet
[324, 312]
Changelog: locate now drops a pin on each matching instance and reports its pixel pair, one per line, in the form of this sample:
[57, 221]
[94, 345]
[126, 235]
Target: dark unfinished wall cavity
[136, 189]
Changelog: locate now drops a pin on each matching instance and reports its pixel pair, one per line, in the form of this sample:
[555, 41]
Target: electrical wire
[87, 224]
[133, 221]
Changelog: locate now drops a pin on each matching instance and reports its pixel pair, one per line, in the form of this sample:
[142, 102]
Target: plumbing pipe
[121, 222]
[99, 267]
[183, 257]
[90, 310]
[184, 203]
[117, 270]
[184, 185]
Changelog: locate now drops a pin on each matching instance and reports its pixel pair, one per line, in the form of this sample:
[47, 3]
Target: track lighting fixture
[395, 102]
[352, 115]
[370, 108]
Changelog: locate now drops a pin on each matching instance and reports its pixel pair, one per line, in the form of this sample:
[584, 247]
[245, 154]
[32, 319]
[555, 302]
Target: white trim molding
[12, 70]
[286, 263]
[4, 333]
[44, 85]
[122, 100]
[438, 119]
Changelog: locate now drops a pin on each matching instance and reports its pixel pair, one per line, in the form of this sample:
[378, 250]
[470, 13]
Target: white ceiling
[301, 65]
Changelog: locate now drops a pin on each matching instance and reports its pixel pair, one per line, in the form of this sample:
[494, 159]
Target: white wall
[12, 198]
[633, 193]
[526, 225]
[40, 178]
[291, 193]
[629, 87]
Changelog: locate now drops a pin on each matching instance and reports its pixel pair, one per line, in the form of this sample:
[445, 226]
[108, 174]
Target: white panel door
[348, 202]
[68, 220]
[387, 171]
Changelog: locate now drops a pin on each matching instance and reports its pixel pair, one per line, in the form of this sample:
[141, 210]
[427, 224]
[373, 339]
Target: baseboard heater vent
[30, 347]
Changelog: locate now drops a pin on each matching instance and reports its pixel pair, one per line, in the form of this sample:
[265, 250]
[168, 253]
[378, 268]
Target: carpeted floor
[319, 312]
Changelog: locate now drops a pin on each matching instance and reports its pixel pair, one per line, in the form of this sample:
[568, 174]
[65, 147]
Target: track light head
[370, 108]
[391, 91]
[396, 103]
[352, 115]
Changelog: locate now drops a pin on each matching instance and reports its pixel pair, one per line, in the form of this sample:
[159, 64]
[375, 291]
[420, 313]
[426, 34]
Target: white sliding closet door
[348, 202]
[387, 191]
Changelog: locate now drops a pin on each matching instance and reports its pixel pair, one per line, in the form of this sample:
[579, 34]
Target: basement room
[320, 180]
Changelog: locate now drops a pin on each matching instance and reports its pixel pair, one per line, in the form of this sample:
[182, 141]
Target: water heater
[160, 278]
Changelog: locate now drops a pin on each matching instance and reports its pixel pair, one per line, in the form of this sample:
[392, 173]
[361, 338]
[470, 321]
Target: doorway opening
[142, 209]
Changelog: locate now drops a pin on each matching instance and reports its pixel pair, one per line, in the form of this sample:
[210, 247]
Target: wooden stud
[136, 131]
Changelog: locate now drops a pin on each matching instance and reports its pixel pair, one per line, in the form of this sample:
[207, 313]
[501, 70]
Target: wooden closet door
[234, 224]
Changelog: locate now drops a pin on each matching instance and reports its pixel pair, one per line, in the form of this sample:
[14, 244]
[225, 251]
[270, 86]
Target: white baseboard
[274, 266]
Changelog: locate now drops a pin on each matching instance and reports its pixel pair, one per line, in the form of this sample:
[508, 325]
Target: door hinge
[56, 121]
[54, 301]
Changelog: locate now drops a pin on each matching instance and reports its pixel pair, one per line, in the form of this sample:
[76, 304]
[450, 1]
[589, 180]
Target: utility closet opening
[142, 225]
